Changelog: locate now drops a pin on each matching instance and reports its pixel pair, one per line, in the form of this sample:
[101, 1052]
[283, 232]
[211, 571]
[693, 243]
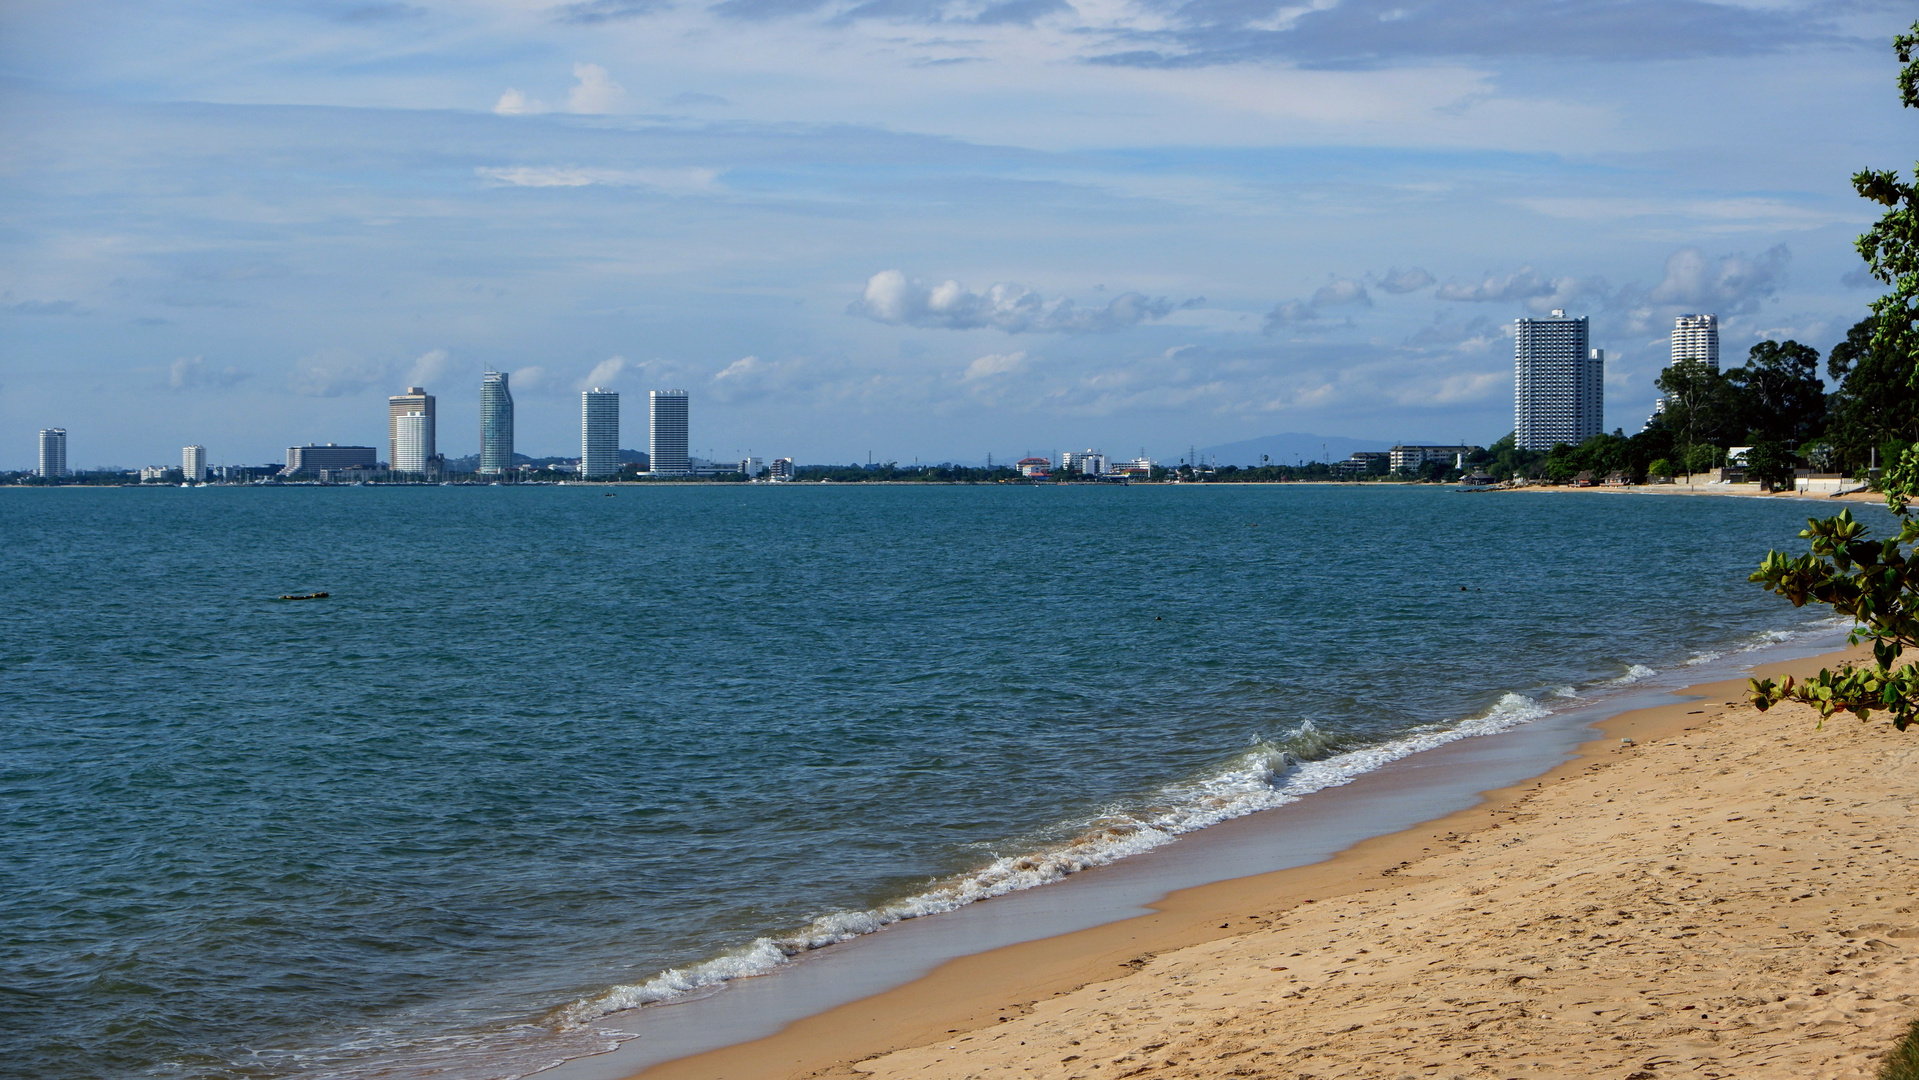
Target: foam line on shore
[1270, 774]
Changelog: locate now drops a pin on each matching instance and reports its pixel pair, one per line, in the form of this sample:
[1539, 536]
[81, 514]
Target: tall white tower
[412, 435]
[415, 400]
[599, 432]
[193, 464]
[666, 446]
[1559, 391]
[1695, 340]
[53, 452]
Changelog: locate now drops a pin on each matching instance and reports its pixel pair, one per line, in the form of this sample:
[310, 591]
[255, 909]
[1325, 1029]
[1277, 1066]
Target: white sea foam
[1269, 774]
[1633, 674]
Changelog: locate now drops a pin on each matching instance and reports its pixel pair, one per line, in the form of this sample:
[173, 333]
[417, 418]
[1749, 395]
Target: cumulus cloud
[1859, 277]
[994, 364]
[1730, 285]
[604, 372]
[515, 103]
[1335, 293]
[427, 368]
[531, 377]
[596, 92]
[893, 298]
[192, 372]
[1398, 281]
[1526, 285]
[740, 369]
[333, 373]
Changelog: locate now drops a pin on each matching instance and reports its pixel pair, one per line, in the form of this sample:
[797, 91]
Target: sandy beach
[1724, 895]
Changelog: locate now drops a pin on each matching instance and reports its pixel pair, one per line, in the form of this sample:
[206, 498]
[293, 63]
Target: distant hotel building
[415, 401]
[193, 464]
[1084, 462]
[1035, 466]
[1695, 340]
[1410, 458]
[496, 424]
[599, 432]
[1558, 383]
[310, 460]
[53, 452]
[781, 468]
[412, 442]
[666, 447]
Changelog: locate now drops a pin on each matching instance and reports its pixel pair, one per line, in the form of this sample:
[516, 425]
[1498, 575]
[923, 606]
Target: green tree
[1875, 400]
[1778, 395]
[1876, 583]
[1769, 463]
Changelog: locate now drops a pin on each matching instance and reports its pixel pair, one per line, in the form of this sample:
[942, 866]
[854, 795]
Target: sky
[912, 229]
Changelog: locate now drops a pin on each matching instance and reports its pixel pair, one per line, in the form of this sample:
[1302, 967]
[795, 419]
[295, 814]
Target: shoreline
[969, 994]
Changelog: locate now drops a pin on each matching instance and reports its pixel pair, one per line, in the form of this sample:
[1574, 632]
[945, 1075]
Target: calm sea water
[545, 753]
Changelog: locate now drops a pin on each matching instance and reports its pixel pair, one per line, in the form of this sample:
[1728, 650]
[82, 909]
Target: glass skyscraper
[496, 424]
[667, 444]
[599, 432]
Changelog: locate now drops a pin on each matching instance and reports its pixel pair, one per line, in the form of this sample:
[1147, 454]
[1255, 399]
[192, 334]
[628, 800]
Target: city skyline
[1329, 231]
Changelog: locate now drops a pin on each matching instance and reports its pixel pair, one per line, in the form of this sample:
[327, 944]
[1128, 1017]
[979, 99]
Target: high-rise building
[415, 400]
[666, 445]
[53, 452]
[412, 440]
[496, 424]
[1695, 340]
[599, 432]
[1558, 382]
[193, 464]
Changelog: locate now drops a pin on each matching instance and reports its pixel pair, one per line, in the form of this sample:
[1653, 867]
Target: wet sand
[1725, 896]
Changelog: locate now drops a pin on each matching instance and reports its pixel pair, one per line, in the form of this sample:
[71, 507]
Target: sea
[547, 753]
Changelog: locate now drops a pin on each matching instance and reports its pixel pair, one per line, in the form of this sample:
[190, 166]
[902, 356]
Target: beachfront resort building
[666, 441]
[496, 424]
[312, 460]
[1409, 458]
[1035, 466]
[1558, 382]
[780, 468]
[599, 432]
[1083, 462]
[193, 464]
[53, 452]
[415, 400]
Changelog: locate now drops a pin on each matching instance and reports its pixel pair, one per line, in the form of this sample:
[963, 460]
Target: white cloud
[528, 378]
[335, 373]
[1526, 285]
[740, 369]
[1403, 281]
[892, 297]
[1335, 293]
[1731, 284]
[596, 92]
[189, 372]
[515, 103]
[604, 372]
[427, 368]
[680, 181]
[994, 364]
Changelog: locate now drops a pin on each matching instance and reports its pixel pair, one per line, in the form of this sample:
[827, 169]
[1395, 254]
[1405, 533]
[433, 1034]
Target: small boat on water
[305, 596]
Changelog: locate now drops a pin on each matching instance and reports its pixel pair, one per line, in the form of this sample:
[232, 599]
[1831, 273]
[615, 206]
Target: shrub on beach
[1902, 1061]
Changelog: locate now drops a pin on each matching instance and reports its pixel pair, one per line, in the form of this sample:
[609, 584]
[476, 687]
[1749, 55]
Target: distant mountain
[1289, 448]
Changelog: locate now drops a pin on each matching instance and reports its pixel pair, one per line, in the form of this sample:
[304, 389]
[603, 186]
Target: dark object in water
[305, 596]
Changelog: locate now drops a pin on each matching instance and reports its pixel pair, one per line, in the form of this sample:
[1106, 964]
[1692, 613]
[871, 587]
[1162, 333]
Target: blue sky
[915, 228]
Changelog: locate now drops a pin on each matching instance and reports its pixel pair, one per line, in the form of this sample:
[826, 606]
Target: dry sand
[1729, 896]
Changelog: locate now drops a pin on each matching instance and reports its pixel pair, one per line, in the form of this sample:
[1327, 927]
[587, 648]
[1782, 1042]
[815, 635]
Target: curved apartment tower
[496, 424]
